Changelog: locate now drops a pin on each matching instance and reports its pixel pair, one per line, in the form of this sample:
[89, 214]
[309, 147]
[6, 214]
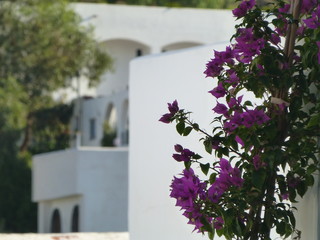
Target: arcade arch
[125, 123]
[179, 45]
[55, 222]
[110, 127]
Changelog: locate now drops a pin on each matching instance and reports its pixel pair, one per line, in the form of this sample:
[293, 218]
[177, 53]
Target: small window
[56, 222]
[92, 128]
[139, 52]
[75, 219]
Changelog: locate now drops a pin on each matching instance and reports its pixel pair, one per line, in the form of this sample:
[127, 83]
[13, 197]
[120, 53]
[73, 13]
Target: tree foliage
[43, 46]
[264, 149]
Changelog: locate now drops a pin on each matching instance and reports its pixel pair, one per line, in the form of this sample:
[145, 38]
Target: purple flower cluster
[243, 8]
[314, 21]
[228, 177]
[257, 163]
[218, 91]
[308, 5]
[247, 119]
[215, 66]
[247, 45]
[173, 109]
[183, 154]
[186, 190]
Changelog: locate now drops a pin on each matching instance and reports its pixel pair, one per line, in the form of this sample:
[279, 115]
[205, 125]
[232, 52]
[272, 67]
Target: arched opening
[75, 219]
[125, 123]
[56, 222]
[109, 138]
[179, 45]
[122, 51]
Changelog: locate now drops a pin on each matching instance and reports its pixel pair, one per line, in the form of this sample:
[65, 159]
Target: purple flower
[166, 118]
[285, 196]
[252, 117]
[185, 154]
[215, 65]
[173, 109]
[218, 223]
[228, 177]
[275, 39]
[247, 45]
[307, 5]
[178, 148]
[239, 140]
[300, 30]
[221, 109]
[233, 78]
[234, 122]
[293, 181]
[186, 190]
[257, 163]
[260, 116]
[213, 68]
[232, 102]
[218, 91]
[243, 8]
[285, 9]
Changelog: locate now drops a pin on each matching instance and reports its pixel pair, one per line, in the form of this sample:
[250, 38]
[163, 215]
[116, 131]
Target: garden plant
[263, 153]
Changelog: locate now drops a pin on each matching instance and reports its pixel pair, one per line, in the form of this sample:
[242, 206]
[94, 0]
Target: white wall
[122, 29]
[94, 178]
[308, 213]
[105, 182]
[177, 75]
[163, 78]
[157, 26]
[97, 109]
[65, 207]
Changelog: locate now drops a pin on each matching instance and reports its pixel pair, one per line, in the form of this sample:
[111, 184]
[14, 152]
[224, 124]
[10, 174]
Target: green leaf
[309, 180]
[180, 127]
[258, 178]
[302, 188]
[195, 126]
[292, 218]
[196, 157]
[281, 228]
[212, 178]
[187, 131]
[314, 121]
[211, 234]
[311, 169]
[205, 168]
[187, 164]
[208, 145]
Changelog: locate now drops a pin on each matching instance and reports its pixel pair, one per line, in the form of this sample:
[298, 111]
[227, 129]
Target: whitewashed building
[86, 188]
[160, 55]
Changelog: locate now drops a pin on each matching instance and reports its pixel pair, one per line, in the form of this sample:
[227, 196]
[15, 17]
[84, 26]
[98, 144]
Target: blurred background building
[86, 188]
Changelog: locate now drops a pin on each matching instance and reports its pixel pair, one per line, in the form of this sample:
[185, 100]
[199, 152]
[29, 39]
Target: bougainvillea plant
[262, 156]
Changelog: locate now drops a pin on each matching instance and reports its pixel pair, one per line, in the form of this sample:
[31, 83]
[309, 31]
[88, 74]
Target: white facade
[85, 178]
[94, 179]
[127, 32]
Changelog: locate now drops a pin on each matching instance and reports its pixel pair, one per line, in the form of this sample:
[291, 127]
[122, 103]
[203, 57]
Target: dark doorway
[75, 219]
[56, 222]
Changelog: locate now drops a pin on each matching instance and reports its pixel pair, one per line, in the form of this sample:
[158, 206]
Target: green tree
[43, 46]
